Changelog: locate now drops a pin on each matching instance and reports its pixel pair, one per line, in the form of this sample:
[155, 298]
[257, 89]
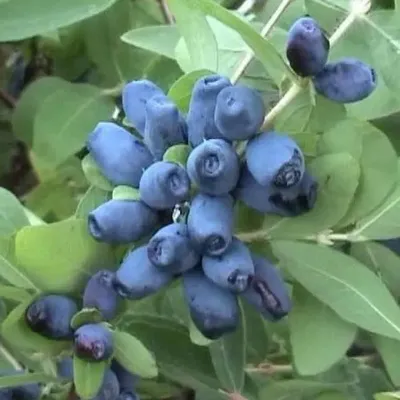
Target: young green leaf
[93, 198]
[196, 336]
[94, 175]
[177, 154]
[389, 350]
[86, 316]
[123, 192]
[88, 377]
[18, 379]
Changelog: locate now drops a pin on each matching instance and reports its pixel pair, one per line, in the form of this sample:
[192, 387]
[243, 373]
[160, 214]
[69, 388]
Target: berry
[233, 269]
[307, 47]
[200, 117]
[50, 316]
[171, 250]
[121, 221]
[267, 291]
[239, 113]
[392, 244]
[275, 159]
[29, 391]
[165, 126]
[214, 167]
[110, 388]
[99, 293]
[128, 396]
[6, 394]
[346, 81]
[137, 277]
[65, 368]
[214, 310]
[135, 95]
[164, 184]
[127, 380]
[210, 223]
[119, 155]
[93, 342]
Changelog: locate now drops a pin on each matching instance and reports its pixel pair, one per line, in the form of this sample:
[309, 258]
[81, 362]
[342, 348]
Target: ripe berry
[110, 388]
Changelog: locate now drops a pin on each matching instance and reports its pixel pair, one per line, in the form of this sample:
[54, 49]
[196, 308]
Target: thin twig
[264, 32]
[7, 99]
[168, 17]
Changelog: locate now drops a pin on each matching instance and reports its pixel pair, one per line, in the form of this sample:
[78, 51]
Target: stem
[10, 358]
[249, 237]
[264, 32]
[168, 17]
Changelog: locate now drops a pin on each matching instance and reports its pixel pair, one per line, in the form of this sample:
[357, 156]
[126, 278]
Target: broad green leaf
[61, 131]
[20, 19]
[228, 355]
[177, 357]
[181, 90]
[177, 154]
[15, 330]
[133, 355]
[21, 379]
[28, 105]
[93, 198]
[171, 304]
[337, 176]
[123, 192]
[196, 336]
[354, 292]
[160, 39]
[312, 321]
[12, 215]
[14, 293]
[387, 396]
[86, 316]
[377, 159]
[88, 377]
[262, 48]
[196, 31]
[61, 256]
[389, 350]
[94, 175]
[331, 395]
[382, 261]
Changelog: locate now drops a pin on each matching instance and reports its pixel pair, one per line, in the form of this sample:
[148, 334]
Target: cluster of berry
[347, 80]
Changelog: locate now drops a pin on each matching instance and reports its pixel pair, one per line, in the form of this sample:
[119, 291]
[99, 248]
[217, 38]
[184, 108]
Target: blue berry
[171, 250]
[137, 277]
[6, 394]
[214, 167]
[65, 368]
[164, 184]
[307, 48]
[165, 126]
[267, 291]
[200, 117]
[50, 316]
[275, 159]
[346, 81]
[135, 96]
[29, 391]
[233, 269]
[119, 155]
[110, 388]
[121, 221]
[210, 223]
[127, 380]
[128, 396]
[239, 113]
[214, 310]
[93, 343]
[99, 293]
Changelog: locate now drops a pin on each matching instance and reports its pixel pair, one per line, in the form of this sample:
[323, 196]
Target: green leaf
[88, 377]
[86, 316]
[337, 176]
[160, 39]
[377, 159]
[387, 396]
[93, 198]
[66, 260]
[59, 132]
[14, 293]
[228, 355]
[314, 322]
[354, 292]
[133, 355]
[333, 396]
[177, 357]
[12, 215]
[196, 336]
[94, 175]
[24, 379]
[20, 19]
[122, 192]
[382, 261]
[181, 90]
[389, 350]
[262, 48]
[196, 31]
[177, 154]
[15, 330]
